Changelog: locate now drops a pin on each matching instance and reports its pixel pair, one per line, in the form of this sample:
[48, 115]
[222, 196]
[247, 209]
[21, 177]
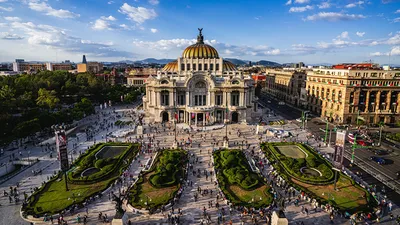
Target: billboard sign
[339, 149]
[61, 144]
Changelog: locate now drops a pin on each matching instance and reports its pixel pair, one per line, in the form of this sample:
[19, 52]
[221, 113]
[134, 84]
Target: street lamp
[226, 141]
[175, 144]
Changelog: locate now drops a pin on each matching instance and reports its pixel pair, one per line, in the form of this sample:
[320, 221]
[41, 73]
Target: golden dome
[228, 66]
[200, 50]
[171, 67]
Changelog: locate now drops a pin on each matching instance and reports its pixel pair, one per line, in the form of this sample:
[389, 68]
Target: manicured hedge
[292, 166]
[167, 170]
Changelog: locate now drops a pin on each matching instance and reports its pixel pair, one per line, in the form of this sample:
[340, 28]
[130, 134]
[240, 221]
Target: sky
[310, 31]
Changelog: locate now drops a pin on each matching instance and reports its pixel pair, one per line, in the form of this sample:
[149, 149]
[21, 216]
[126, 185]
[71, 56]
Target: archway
[165, 117]
[235, 117]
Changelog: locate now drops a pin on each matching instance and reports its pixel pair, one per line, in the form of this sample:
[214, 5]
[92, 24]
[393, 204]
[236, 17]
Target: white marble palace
[200, 88]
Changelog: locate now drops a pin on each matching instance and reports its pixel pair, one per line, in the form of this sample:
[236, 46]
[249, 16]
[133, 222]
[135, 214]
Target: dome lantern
[200, 50]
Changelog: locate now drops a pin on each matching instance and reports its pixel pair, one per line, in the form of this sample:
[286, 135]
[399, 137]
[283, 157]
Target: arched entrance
[235, 117]
[165, 117]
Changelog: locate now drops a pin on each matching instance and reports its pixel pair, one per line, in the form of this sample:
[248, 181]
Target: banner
[61, 145]
[339, 149]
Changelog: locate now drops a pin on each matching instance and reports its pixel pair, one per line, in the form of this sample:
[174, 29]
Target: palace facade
[200, 88]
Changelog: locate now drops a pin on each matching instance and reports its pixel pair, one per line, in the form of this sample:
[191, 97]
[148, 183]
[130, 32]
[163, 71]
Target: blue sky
[312, 31]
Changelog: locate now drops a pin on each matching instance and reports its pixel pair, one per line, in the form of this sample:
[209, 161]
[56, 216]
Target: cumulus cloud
[110, 18]
[52, 37]
[153, 30]
[8, 9]
[344, 35]
[12, 18]
[8, 36]
[137, 14]
[397, 11]
[154, 2]
[300, 9]
[354, 4]
[110, 2]
[360, 34]
[289, 2]
[334, 16]
[396, 20]
[50, 11]
[324, 5]
[395, 51]
[301, 1]
[3, 0]
[101, 24]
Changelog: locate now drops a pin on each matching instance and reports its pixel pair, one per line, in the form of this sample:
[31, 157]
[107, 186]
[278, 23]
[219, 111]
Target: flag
[176, 116]
[193, 116]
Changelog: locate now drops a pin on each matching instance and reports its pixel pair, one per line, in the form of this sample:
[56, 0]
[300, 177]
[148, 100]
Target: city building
[21, 65]
[91, 67]
[137, 76]
[369, 95]
[286, 85]
[200, 88]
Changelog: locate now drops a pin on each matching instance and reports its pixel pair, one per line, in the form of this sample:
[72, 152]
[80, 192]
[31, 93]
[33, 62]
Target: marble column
[204, 119]
[378, 100]
[195, 120]
[388, 98]
[398, 103]
[367, 102]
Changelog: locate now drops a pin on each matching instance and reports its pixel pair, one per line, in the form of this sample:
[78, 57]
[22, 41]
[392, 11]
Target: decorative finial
[200, 38]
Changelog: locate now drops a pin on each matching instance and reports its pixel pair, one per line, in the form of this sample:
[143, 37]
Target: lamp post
[380, 133]
[226, 141]
[175, 144]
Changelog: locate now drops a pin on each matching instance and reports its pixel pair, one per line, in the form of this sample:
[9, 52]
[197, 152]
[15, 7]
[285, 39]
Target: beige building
[137, 76]
[200, 88]
[286, 85]
[342, 94]
[22, 66]
[92, 67]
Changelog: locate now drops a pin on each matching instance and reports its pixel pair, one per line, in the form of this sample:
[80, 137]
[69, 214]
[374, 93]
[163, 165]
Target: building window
[182, 66]
[200, 100]
[164, 98]
[200, 67]
[218, 99]
[235, 98]
[211, 66]
[205, 66]
[181, 98]
[188, 66]
[217, 66]
[194, 66]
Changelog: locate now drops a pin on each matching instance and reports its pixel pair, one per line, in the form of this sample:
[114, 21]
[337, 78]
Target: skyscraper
[84, 59]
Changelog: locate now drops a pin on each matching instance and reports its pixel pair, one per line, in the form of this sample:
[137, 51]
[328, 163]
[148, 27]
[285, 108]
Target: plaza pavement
[192, 211]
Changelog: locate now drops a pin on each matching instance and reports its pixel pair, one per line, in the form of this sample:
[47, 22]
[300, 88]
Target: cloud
[301, 1]
[12, 18]
[153, 30]
[378, 54]
[344, 35]
[390, 34]
[3, 0]
[101, 24]
[289, 2]
[360, 34]
[137, 14]
[355, 4]
[8, 36]
[232, 50]
[50, 11]
[8, 9]
[109, 18]
[154, 2]
[396, 20]
[110, 2]
[334, 16]
[53, 37]
[397, 11]
[324, 5]
[395, 51]
[300, 9]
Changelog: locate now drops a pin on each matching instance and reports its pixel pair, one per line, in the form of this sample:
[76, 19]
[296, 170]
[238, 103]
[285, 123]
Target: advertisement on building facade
[339, 149]
[61, 145]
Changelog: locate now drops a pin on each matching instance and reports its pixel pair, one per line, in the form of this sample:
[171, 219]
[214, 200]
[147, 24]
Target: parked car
[281, 103]
[380, 152]
[379, 160]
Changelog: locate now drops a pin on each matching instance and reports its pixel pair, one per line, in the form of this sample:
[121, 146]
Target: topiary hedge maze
[159, 185]
[53, 198]
[239, 184]
[292, 166]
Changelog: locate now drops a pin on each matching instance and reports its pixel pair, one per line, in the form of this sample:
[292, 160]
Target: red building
[355, 66]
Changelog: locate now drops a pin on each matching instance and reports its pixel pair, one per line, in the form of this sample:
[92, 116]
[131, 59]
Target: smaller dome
[171, 67]
[228, 66]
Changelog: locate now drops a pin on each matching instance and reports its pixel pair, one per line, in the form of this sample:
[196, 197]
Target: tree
[47, 98]
[26, 128]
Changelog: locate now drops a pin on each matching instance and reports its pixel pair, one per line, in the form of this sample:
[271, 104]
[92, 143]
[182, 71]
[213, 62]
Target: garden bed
[240, 185]
[159, 185]
[348, 197]
[53, 198]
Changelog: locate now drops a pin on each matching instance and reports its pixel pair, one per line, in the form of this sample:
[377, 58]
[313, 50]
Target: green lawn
[53, 197]
[239, 184]
[148, 195]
